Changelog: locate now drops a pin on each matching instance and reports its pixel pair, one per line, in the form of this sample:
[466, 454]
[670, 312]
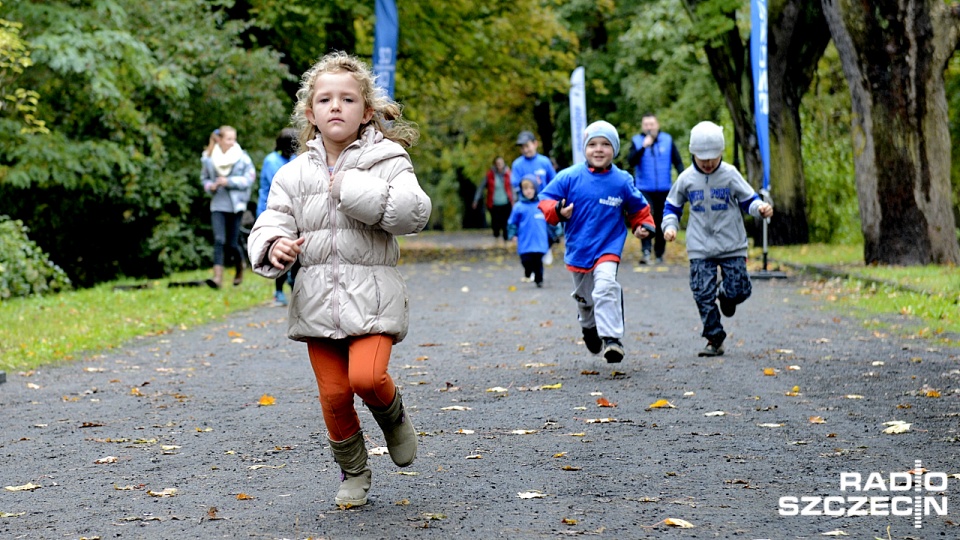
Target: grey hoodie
[715, 228]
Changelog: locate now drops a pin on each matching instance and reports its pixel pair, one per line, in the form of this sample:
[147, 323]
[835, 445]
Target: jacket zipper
[331, 204]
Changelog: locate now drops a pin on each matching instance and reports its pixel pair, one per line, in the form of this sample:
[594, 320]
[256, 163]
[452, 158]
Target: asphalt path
[175, 436]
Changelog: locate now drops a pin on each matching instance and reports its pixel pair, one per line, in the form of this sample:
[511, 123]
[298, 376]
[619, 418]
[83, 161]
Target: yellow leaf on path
[793, 368]
[817, 420]
[136, 392]
[837, 532]
[532, 494]
[464, 431]
[770, 425]
[715, 413]
[589, 372]
[794, 392]
[559, 454]
[568, 521]
[896, 427]
[680, 523]
[604, 402]
[662, 404]
[26, 487]
[853, 396]
[581, 434]
[769, 372]
[231, 333]
[570, 468]
[933, 393]
[521, 348]
[497, 389]
[258, 467]
[600, 420]
[456, 408]
[523, 431]
[107, 459]
[407, 473]
[237, 340]
[551, 386]
[168, 492]
[267, 400]
[784, 351]
[244, 497]
[33, 386]
[10, 515]
[474, 456]
[512, 288]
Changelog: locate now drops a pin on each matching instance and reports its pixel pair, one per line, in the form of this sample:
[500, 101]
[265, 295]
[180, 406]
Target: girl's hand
[670, 235]
[285, 251]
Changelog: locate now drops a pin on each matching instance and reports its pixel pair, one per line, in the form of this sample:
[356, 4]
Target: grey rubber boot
[351, 456]
[398, 431]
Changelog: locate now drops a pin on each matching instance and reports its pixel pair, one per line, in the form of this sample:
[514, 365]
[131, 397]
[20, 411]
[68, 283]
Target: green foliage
[131, 92]
[833, 213]
[14, 58]
[25, 270]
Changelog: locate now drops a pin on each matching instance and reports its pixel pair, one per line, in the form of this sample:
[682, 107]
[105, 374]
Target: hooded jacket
[348, 284]
[529, 225]
[715, 229]
[235, 195]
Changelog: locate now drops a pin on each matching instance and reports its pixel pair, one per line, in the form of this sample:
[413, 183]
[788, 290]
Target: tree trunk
[796, 41]
[893, 55]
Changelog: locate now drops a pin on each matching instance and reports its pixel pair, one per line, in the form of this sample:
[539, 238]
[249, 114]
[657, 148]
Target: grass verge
[66, 326]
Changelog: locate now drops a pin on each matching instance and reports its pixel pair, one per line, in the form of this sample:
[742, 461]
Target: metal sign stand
[764, 273]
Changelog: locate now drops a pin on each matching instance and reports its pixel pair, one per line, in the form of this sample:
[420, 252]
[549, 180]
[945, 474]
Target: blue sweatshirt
[529, 225]
[539, 166]
[600, 202]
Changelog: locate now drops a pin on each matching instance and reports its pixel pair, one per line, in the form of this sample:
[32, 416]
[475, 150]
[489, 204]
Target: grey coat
[348, 284]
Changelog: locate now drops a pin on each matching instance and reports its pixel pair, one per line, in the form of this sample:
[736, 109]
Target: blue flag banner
[761, 88]
[385, 44]
[578, 113]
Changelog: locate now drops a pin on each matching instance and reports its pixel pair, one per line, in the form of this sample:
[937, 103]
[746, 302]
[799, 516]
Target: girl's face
[227, 139]
[599, 153]
[499, 164]
[337, 108]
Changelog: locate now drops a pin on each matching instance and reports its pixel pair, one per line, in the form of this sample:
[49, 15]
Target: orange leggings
[345, 367]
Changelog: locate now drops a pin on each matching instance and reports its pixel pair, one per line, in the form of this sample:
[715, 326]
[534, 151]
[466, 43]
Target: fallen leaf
[532, 494]
[603, 402]
[551, 386]
[784, 351]
[127, 488]
[817, 420]
[571, 468]
[933, 393]
[26, 487]
[896, 427]
[456, 408]
[136, 392]
[793, 368]
[568, 521]
[877, 363]
[770, 425]
[794, 392]
[33, 386]
[464, 431]
[378, 451]
[402, 502]
[244, 497]
[661, 404]
[232, 333]
[497, 389]
[512, 288]
[581, 434]
[523, 431]
[596, 393]
[168, 492]
[258, 467]
[680, 523]
[589, 372]
[689, 394]
[9, 515]
[715, 413]
[107, 459]
[837, 532]
[407, 473]
[600, 420]
[559, 454]
[474, 456]
[769, 372]
[266, 400]
[853, 396]
[464, 289]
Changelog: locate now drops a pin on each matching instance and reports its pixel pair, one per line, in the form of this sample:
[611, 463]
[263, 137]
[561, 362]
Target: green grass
[67, 326]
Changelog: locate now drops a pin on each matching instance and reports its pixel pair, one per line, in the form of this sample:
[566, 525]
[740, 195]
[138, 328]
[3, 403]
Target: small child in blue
[528, 225]
[593, 198]
[716, 238]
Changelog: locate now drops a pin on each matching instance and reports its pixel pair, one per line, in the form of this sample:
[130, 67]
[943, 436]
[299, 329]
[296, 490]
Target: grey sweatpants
[600, 299]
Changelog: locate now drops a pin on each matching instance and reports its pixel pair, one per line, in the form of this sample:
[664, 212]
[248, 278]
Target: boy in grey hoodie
[716, 238]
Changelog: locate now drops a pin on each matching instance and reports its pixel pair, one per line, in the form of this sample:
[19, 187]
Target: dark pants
[532, 264]
[656, 199]
[734, 286]
[499, 214]
[226, 233]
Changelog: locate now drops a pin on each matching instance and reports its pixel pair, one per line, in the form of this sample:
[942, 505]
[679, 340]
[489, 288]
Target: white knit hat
[605, 130]
[706, 140]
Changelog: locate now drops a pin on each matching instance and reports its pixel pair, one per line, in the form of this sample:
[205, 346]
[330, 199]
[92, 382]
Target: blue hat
[605, 130]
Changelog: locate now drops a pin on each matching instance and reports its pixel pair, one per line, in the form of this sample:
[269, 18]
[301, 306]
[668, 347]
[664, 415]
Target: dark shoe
[217, 280]
[592, 340]
[712, 350]
[727, 307]
[238, 278]
[612, 350]
[539, 284]
[398, 431]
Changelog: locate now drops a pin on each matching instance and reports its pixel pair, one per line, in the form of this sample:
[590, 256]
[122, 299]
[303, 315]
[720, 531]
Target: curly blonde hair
[387, 114]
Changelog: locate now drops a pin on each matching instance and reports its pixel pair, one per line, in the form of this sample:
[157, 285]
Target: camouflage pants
[733, 284]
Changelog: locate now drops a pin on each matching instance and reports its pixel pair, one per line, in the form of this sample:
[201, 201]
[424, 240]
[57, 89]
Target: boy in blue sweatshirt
[529, 227]
[592, 198]
[716, 238]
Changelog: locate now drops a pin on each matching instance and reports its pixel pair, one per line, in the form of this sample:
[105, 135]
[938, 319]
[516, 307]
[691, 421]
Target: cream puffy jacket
[349, 284]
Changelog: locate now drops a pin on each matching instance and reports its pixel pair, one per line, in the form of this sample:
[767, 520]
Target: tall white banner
[578, 113]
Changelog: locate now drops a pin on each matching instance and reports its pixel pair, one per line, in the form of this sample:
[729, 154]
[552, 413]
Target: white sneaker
[548, 258]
